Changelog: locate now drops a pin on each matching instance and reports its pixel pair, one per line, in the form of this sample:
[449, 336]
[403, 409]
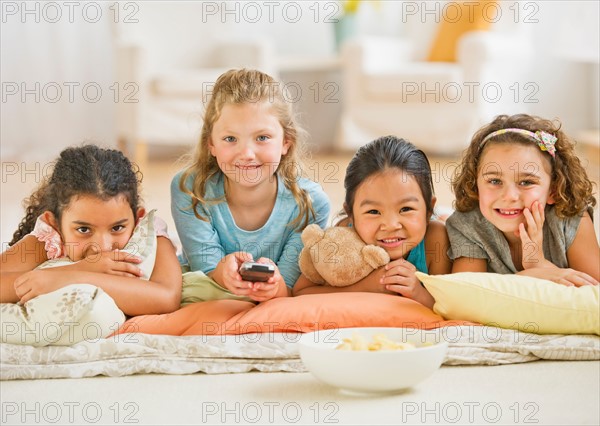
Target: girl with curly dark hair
[86, 211]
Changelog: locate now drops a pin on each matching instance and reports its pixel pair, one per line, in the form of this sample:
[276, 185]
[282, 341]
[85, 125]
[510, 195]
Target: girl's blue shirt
[417, 257]
[206, 243]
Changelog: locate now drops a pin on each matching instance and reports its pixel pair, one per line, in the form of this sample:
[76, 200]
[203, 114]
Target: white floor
[542, 392]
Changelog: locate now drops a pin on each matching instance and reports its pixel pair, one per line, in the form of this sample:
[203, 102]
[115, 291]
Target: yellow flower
[350, 7]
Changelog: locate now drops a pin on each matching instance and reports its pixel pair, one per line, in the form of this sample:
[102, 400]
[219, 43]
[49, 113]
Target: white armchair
[435, 105]
[166, 107]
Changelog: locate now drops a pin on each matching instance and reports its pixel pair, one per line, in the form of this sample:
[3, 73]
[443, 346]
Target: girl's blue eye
[263, 138]
[229, 139]
[494, 181]
[527, 183]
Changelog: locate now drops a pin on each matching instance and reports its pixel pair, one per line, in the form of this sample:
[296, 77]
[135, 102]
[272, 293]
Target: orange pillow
[290, 314]
[458, 18]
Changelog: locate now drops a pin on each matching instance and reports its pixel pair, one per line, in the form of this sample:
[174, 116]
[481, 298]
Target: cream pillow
[79, 311]
[515, 301]
[143, 243]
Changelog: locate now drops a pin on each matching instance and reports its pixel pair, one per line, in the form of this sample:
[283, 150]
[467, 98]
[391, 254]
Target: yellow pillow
[457, 19]
[515, 301]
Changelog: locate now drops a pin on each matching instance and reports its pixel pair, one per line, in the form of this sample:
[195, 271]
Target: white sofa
[165, 107]
[390, 89]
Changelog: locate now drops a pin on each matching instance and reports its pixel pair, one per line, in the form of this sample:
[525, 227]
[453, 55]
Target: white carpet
[542, 392]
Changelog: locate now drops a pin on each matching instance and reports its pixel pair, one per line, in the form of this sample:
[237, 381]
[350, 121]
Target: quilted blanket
[136, 353]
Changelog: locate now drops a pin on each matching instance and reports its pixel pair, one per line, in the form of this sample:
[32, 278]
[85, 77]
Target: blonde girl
[242, 197]
[522, 204]
[86, 210]
[389, 202]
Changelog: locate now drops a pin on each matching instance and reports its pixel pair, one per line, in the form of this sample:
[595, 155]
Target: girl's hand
[532, 237]
[227, 273]
[399, 277]
[565, 276]
[262, 291]
[113, 262]
[37, 282]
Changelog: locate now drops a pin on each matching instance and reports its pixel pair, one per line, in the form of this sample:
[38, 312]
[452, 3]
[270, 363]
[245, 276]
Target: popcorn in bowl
[379, 342]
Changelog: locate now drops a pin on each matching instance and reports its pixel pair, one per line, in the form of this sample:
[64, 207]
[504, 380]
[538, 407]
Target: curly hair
[84, 170]
[240, 87]
[571, 188]
[388, 152]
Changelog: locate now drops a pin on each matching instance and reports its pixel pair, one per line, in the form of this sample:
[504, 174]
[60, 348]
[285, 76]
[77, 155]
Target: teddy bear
[337, 256]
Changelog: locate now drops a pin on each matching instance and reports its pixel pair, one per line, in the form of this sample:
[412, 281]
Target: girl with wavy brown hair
[522, 204]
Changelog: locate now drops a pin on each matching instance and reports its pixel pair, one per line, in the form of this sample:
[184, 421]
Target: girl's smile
[509, 214]
[391, 243]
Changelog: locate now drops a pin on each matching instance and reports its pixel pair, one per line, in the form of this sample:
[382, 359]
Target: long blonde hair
[240, 87]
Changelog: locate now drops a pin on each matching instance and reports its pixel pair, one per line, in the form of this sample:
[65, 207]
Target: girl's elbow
[174, 302]
[171, 300]
[168, 304]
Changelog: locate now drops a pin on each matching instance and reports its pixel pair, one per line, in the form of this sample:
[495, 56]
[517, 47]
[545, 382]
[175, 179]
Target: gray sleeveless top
[472, 235]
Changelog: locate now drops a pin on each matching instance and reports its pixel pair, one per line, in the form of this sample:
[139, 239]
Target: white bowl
[372, 371]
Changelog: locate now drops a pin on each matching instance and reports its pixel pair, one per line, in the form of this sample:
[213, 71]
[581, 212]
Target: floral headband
[544, 140]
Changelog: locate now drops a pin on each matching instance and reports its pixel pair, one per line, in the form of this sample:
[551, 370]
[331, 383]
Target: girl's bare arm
[436, 249]
[584, 252]
[469, 264]
[134, 296]
[161, 294]
[22, 257]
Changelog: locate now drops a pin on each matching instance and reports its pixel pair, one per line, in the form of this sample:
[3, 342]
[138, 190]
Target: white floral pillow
[63, 317]
[76, 312]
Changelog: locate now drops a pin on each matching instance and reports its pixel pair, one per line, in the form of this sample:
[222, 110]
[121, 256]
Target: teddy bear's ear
[375, 256]
[311, 235]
